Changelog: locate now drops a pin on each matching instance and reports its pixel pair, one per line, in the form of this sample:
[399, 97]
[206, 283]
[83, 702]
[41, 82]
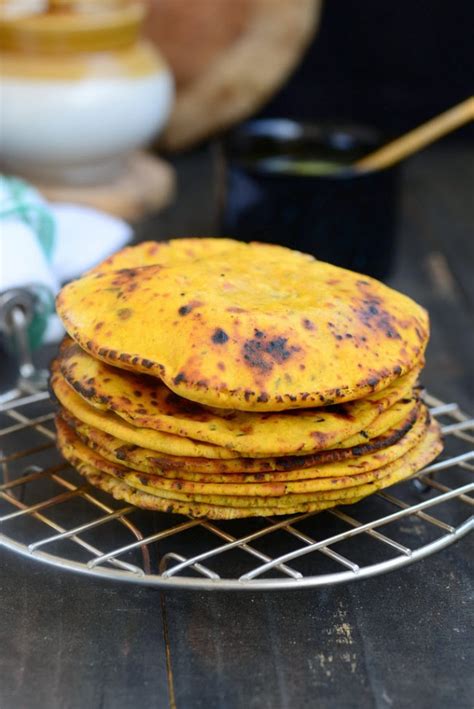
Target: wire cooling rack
[47, 513]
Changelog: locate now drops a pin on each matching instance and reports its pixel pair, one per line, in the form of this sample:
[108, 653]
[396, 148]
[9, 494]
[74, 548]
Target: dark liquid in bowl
[293, 187]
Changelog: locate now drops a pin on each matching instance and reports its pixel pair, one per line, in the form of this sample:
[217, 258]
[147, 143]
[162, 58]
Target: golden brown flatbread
[256, 327]
[330, 476]
[146, 402]
[151, 461]
[286, 502]
[167, 443]
[145, 460]
[122, 491]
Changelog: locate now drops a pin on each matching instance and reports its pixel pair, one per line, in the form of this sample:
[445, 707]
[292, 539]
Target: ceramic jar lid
[69, 26]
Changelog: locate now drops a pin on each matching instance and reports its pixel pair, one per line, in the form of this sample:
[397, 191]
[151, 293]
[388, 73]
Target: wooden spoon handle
[418, 138]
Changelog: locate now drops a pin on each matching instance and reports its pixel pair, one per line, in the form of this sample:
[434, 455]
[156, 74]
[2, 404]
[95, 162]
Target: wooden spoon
[417, 139]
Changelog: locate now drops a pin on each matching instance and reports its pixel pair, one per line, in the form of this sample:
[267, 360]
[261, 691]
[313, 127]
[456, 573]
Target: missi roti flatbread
[121, 491]
[143, 461]
[146, 402]
[165, 443]
[229, 493]
[114, 425]
[255, 327]
[135, 456]
[425, 451]
[397, 415]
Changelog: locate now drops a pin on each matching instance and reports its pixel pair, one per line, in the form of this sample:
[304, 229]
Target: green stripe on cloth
[23, 201]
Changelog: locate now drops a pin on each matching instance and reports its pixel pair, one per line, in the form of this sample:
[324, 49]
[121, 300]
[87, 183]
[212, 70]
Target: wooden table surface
[399, 640]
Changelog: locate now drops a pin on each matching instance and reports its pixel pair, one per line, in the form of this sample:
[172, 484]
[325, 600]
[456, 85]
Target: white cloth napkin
[84, 237]
[43, 245]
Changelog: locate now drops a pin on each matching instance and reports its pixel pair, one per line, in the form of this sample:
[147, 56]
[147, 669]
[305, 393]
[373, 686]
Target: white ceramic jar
[79, 91]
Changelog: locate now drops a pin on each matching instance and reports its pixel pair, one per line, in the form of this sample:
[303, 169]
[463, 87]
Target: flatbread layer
[247, 494]
[253, 327]
[420, 456]
[400, 414]
[146, 402]
[144, 461]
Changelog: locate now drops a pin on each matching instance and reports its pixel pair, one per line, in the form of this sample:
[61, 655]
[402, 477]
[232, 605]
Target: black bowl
[280, 187]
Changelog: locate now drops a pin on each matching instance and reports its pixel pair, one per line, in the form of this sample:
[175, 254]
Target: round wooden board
[228, 57]
[146, 185]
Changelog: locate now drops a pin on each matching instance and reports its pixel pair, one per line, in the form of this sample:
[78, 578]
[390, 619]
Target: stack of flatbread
[214, 378]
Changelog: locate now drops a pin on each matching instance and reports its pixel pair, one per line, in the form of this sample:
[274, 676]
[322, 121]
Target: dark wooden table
[400, 640]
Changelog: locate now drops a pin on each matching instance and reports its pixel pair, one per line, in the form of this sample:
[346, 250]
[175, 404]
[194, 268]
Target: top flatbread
[253, 327]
